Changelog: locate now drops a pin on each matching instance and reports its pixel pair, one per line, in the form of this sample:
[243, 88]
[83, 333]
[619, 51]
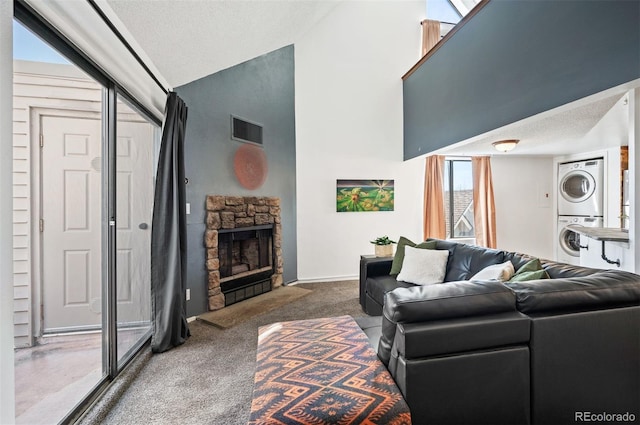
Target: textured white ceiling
[190, 39]
[552, 133]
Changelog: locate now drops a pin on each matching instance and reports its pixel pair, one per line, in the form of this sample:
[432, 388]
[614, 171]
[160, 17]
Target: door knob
[143, 226]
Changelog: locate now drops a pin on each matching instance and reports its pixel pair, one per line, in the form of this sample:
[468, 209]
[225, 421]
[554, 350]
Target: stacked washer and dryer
[580, 202]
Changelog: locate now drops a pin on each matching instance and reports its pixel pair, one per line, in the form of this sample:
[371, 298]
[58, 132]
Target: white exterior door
[71, 231]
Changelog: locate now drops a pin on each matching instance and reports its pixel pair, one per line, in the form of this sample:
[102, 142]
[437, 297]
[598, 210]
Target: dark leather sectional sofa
[550, 351]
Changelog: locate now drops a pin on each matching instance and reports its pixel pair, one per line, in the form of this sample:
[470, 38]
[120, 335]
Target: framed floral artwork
[364, 195]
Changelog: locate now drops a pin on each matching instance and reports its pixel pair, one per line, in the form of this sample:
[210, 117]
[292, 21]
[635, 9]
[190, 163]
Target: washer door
[570, 242]
[577, 186]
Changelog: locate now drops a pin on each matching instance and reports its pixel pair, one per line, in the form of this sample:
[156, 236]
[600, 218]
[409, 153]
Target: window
[449, 10]
[458, 199]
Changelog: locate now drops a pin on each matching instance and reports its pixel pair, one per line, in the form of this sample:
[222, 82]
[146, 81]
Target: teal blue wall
[260, 90]
[515, 59]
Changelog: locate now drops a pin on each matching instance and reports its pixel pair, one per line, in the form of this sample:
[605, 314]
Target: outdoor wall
[60, 88]
[515, 59]
[349, 126]
[260, 90]
[524, 191]
[7, 389]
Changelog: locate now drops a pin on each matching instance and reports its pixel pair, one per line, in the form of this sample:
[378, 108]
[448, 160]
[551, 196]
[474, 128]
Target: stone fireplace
[243, 238]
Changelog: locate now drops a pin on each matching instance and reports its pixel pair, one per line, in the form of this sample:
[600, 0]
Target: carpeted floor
[209, 379]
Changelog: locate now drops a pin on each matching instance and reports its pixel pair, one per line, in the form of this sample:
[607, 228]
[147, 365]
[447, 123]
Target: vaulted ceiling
[190, 39]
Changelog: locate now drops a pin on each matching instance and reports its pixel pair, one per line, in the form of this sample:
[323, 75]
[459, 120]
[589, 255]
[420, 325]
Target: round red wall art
[250, 166]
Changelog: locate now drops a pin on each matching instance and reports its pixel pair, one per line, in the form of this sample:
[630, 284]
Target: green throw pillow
[530, 266]
[531, 275]
[398, 258]
[531, 270]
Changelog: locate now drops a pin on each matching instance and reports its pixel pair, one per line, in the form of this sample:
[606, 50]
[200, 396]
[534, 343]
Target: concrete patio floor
[54, 375]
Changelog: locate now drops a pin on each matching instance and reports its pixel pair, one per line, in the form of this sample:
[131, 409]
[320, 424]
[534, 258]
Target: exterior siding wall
[37, 89]
[21, 233]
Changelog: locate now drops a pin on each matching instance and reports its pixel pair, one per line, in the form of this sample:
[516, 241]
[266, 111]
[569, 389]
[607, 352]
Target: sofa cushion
[398, 258]
[562, 270]
[518, 260]
[501, 272]
[603, 289]
[467, 260]
[453, 299]
[423, 266]
[378, 286]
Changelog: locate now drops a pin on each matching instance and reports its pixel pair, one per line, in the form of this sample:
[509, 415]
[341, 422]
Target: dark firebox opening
[246, 261]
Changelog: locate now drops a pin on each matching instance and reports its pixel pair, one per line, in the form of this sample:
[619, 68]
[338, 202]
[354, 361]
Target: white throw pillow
[423, 266]
[501, 272]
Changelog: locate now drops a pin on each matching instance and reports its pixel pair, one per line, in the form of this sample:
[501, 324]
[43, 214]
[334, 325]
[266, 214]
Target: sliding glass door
[58, 186]
[135, 137]
[84, 171]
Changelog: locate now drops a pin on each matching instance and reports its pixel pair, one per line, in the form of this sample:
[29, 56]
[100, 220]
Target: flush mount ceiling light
[505, 145]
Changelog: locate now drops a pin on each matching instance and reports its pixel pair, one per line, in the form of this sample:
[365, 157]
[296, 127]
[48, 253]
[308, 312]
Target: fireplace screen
[246, 261]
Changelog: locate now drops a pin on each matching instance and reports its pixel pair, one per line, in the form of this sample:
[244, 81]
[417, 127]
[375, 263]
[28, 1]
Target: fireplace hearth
[244, 248]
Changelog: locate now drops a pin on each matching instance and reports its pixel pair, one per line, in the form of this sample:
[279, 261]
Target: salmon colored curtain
[434, 224]
[430, 34]
[484, 209]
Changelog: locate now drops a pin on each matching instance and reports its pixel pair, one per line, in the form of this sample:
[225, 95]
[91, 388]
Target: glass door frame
[111, 90]
[117, 362]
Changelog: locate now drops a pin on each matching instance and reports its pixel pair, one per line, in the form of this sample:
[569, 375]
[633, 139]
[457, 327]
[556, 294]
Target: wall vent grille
[245, 131]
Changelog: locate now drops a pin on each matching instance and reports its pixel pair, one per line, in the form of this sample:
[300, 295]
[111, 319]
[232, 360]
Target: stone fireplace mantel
[237, 212]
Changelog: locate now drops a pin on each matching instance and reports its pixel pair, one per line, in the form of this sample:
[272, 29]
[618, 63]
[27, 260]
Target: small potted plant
[384, 246]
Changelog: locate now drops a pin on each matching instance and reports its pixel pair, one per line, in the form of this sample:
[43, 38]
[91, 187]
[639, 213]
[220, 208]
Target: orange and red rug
[322, 371]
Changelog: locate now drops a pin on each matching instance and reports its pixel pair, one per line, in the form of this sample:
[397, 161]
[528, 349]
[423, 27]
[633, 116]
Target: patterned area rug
[322, 371]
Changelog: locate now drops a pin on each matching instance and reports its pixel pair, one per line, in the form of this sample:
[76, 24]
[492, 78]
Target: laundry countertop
[611, 234]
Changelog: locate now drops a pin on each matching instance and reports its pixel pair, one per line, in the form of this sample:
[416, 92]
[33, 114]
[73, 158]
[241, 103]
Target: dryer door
[570, 242]
[577, 186]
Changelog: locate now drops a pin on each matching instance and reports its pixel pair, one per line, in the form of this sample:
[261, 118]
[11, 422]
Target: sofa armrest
[443, 337]
[377, 266]
[369, 267]
[440, 302]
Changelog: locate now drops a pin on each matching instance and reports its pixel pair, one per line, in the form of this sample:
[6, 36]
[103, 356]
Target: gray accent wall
[262, 91]
[515, 59]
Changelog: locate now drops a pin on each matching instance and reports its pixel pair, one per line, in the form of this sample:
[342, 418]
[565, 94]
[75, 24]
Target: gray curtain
[169, 234]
